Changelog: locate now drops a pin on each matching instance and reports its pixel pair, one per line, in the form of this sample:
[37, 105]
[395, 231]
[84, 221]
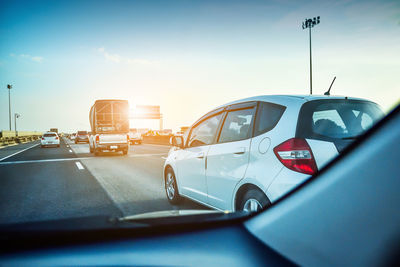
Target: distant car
[135, 137]
[82, 137]
[72, 136]
[179, 133]
[248, 153]
[50, 139]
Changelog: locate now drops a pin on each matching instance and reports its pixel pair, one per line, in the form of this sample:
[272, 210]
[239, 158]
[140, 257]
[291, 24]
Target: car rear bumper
[111, 147]
[285, 182]
[50, 143]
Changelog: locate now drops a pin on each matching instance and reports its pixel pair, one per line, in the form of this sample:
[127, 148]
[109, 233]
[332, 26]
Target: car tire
[58, 145]
[253, 201]
[125, 152]
[171, 187]
[90, 149]
[96, 152]
[41, 146]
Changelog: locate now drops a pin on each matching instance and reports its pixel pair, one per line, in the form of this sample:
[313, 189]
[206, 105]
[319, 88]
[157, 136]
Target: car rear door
[227, 160]
[191, 160]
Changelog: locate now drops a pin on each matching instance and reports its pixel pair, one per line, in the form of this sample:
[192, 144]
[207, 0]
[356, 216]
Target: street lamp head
[9, 86]
[310, 23]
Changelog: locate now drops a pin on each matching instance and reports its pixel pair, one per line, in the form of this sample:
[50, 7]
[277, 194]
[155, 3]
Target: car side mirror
[176, 141]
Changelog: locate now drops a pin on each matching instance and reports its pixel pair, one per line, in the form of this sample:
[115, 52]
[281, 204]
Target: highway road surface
[54, 183]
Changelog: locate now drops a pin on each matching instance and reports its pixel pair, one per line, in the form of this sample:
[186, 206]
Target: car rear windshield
[82, 132]
[336, 119]
[49, 135]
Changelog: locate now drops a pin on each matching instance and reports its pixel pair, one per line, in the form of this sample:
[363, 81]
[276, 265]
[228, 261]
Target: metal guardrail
[12, 137]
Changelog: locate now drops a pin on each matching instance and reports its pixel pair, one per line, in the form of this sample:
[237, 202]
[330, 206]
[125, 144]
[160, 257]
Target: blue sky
[188, 56]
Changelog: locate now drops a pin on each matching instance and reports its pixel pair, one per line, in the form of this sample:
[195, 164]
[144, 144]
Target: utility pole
[9, 86]
[310, 23]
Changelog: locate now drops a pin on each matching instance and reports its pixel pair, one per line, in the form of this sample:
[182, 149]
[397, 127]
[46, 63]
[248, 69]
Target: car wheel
[171, 188]
[42, 146]
[96, 152]
[254, 200]
[58, 145]
[125, 152]
[90, 149]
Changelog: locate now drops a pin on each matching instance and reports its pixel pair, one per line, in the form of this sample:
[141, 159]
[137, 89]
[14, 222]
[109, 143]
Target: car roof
[50, 133]
[287, 99]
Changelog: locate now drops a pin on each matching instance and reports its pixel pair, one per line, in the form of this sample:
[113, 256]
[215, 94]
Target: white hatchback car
[50, 139]
[246, 154]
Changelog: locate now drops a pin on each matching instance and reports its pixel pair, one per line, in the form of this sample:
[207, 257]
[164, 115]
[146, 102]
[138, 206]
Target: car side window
[204, 132]
[267, 117]
[237, 125]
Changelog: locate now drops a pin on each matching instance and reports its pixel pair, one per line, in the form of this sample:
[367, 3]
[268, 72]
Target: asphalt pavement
[54, 183]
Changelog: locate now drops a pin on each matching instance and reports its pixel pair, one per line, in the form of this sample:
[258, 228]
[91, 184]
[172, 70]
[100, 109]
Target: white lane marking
[39, 161]
[79, 165]
[70, 151]
[18, 152]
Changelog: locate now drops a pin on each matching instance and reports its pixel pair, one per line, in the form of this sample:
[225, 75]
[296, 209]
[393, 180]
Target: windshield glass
[211, 106]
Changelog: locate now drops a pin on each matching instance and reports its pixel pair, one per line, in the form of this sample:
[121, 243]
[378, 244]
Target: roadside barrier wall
[12, 137]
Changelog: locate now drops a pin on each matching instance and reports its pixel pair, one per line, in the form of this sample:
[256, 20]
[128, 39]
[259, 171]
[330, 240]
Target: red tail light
[56, 137]
[296, 155]
[42, 138]
[127, 138]
[97, 139]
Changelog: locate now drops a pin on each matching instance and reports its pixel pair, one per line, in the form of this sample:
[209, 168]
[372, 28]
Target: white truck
[109, 121]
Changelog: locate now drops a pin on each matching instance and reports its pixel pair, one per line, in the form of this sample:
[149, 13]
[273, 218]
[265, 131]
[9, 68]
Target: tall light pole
[16, 115]
[9, 86]
[310, 23]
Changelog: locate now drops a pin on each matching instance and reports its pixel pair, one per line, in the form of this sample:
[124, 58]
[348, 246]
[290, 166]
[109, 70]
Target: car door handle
[240, 151]
[200, 155]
